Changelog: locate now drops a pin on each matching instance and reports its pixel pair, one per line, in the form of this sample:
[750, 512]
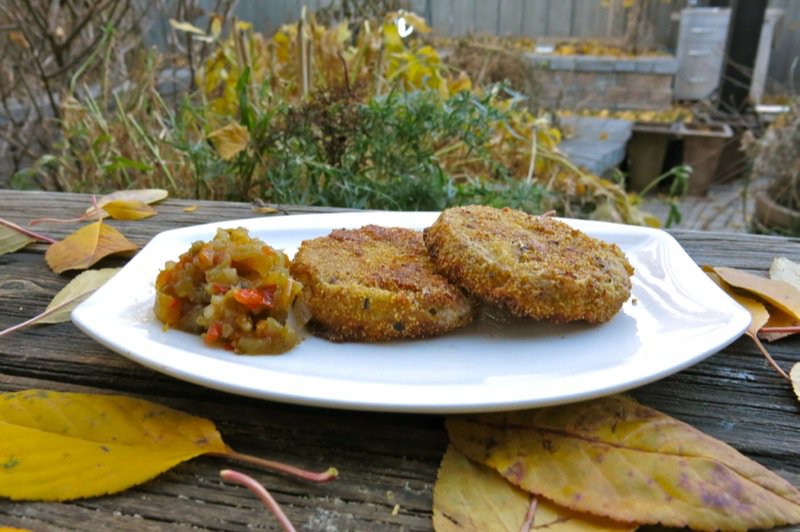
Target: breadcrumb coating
[536, 266]
[376, 283]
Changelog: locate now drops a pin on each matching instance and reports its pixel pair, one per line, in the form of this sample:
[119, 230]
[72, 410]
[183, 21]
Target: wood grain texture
[387, 461]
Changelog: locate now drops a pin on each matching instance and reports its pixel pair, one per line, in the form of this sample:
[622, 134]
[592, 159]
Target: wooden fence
[539, 19]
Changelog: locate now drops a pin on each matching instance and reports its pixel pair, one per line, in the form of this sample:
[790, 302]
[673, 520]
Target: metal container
[701, 51]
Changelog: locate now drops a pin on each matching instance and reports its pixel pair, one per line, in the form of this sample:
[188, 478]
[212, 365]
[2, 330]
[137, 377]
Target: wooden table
[388, 462]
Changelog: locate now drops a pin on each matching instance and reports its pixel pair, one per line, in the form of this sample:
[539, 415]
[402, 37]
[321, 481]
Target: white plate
[675, 318]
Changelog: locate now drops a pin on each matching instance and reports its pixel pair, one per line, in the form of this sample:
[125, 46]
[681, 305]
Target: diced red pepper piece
[214, 332]
[219, 288]
[254, 298]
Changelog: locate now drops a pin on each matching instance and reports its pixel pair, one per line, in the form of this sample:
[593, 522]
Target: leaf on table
[616, 458]
[470, 496]
[190, 208]
[144, 195]
[129, 209]
[60, 446]
[14, 237]
[779, 319]
[86, 246]
[230, 140]
[74, 293]
[11, 240]
[778, 293]
[59, 309]
[783, 269]
[759, 316]
[795, 376]
[57, 446]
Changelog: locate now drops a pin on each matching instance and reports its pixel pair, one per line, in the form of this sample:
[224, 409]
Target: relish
[236, 291]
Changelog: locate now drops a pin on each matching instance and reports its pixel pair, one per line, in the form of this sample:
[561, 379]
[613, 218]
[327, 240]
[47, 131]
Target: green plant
[677, 189]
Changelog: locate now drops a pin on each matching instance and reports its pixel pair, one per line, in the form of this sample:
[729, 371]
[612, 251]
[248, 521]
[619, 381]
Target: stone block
[594, 64]
[625, 65]
[563, 62]
[665, 65]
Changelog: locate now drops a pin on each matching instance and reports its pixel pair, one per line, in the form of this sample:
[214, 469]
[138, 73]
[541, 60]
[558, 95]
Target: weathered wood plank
[385, 459]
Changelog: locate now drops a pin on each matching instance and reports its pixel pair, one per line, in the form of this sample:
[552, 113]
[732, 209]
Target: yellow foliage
[230, 140]
[59, 446]
[616, 458]
[470, 496]
[379, 60]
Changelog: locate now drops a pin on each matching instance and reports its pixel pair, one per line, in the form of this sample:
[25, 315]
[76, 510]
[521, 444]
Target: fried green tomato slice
[535, 266]
[376, 283]
[236, 291]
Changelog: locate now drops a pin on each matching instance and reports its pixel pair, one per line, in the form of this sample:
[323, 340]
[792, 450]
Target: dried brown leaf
[616, 458]
[86, 246]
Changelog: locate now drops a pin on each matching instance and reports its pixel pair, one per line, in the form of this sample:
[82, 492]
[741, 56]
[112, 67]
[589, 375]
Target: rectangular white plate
[675, 317]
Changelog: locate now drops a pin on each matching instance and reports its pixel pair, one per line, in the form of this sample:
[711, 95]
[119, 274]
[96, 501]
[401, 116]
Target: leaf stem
[41, 315]
[530, 516]
[323, 476]
[789, 329]
[768, 356]
[38, 221]
[261, 492]
[27, 232]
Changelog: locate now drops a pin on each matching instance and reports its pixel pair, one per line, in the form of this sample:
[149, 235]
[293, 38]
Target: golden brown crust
[535, 266]
[376, 283]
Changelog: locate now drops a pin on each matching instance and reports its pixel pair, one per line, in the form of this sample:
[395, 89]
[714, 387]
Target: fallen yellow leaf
[783, 269]
[122, 209]
[190, 208]
[778, 318]
[144, 195]
[616, 458]
[12, 240]
[759, 316]
[230, 140]
[778, 293]
[264, 210]
[86, 246]
[60, 446]
[74, 292]
[67, 298]
[469, 496]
